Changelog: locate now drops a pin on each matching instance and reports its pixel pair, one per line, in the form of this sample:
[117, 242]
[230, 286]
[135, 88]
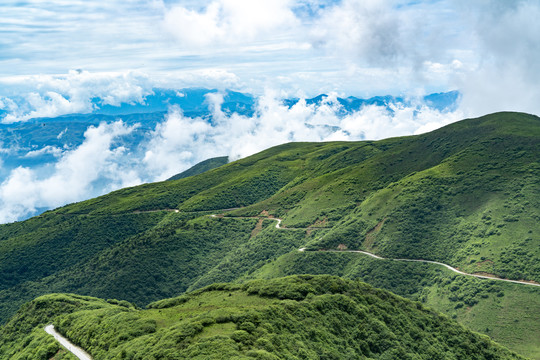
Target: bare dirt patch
[371, 235]
[257, 229]
[485, 262]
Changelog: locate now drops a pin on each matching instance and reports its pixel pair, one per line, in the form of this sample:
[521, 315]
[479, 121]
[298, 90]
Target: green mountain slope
[201, 167]
[301, 317]
[506, 312]
[466, 195]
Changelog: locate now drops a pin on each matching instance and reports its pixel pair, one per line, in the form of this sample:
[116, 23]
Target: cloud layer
[226, 22]
[72, 178]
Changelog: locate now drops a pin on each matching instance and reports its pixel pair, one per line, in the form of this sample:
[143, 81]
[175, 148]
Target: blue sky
[354, 47]
[359, 47]
[58, 55]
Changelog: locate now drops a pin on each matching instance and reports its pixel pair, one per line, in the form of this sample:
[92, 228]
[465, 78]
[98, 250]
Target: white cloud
[508, 74]
[98, 165]
[362, 47]
[487, 49]
[62, 133]
[56, 95]
[176, 143]
[229, 21]
[360, 29]
[53, 150]
[180, 141]
[73, 176]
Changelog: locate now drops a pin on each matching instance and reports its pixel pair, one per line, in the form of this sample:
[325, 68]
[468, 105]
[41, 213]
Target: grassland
[201, 167]
[466, 195]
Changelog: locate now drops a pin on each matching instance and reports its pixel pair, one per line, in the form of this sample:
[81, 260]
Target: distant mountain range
[195, 101]
[20, 138]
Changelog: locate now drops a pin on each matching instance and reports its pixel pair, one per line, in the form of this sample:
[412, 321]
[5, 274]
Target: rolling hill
[300, 317]
[466, 195]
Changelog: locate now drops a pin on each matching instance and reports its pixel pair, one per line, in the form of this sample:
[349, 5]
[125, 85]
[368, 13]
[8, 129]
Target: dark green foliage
[266, 246]
[35, 261]
[24, 337]
[299, 317]
[406, 279]
[62, 242]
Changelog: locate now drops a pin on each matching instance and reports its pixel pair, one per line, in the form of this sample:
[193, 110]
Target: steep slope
[466, 195]
[306, 317]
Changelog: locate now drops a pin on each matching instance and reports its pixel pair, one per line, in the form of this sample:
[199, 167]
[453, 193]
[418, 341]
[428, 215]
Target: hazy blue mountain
[445, 101]
[189, 100]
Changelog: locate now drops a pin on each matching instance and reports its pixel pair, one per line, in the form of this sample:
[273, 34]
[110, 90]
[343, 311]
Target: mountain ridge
[465, 192]
[41, 145]
[201, 167]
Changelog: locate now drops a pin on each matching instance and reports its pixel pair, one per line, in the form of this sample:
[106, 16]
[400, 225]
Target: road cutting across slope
[278, 226]
[429, 262]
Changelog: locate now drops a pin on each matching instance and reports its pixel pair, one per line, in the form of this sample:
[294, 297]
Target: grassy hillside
[300, 317]
[466, 195]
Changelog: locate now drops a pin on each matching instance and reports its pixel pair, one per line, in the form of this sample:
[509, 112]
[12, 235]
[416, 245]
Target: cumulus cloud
[229, 21]
[81, 91]
[361, 29]
[181, 141]
[54, 95]
[507, 76]
[53, 150]
[362, 47]
[100, 164]
[487, 49]
[175, 144]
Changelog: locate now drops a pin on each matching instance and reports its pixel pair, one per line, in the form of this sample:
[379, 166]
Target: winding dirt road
[278, 226]
[72, 348]
[83, 355]
[430, 262]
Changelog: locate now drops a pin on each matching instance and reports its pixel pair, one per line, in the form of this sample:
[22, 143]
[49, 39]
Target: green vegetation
[299, 317]
[466, 194]
[201, 167]
[35, 254]
[506, 312]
